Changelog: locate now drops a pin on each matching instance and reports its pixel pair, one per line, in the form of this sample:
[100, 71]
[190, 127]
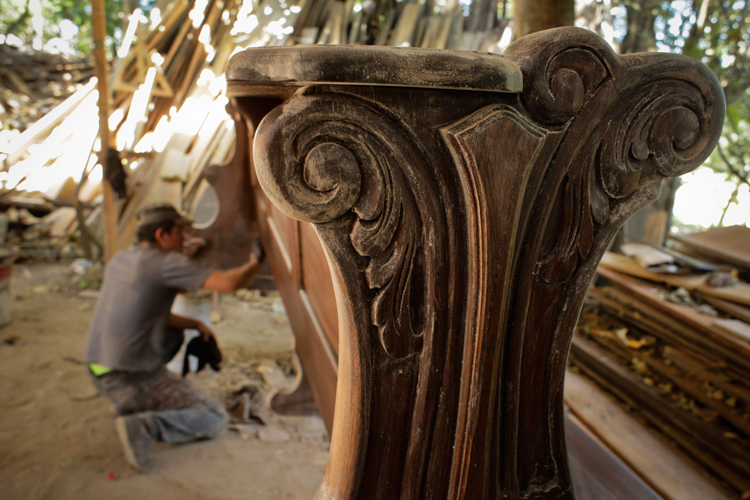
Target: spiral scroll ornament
[327, 157]
[642, 118]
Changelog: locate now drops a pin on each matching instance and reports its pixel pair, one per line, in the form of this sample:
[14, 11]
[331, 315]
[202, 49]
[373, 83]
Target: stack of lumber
[676, 350]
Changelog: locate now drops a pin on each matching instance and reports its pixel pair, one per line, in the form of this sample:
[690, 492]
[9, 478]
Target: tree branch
[18, 22]
[740, 175]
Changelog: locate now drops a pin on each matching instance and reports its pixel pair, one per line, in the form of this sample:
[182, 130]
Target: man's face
[171, 241]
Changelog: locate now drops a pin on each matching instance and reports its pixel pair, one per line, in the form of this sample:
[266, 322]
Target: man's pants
[170, 407]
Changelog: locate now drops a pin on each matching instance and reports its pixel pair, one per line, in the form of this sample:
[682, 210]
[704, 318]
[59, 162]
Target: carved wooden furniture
[456, 206]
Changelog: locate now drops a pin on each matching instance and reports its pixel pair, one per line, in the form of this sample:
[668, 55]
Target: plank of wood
[60, 220]
[705, 444]
[646, 255]
[736, 310]
[735, 327]
[738, 293]
[688, 385]
[403, 32]
[628, 265]
[176, 165]
[443, 31]
[648, 453]
[597, 474]
[731, 244]
[655, 228]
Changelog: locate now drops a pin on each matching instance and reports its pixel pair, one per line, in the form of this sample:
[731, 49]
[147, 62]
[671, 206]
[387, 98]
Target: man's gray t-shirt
[139, 286]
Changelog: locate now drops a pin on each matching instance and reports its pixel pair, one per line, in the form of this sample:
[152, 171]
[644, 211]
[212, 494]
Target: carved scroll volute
[626, 123]
[347, 166]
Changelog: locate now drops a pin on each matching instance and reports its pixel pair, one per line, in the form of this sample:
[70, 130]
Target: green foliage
[717, 32]
[16, 19]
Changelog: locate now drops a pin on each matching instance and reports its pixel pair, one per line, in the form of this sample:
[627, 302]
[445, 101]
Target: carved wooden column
[464, 202]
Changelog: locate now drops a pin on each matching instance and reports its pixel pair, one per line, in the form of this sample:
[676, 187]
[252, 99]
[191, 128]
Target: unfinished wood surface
[735, 327]
[463, 201]
[691, 387]
[697, 368]
[663, 326]
[736, 310]
[19, 145]
[649, 453]
[232, 235]
[599, 474]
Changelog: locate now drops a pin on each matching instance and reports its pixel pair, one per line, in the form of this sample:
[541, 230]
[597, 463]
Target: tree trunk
[641, 35]
[538, 15]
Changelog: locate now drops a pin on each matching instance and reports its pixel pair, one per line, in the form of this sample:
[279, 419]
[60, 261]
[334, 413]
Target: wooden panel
[316, 280]
[284, 227]
[315, 358]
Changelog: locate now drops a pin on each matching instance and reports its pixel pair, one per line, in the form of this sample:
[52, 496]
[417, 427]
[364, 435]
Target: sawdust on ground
[57, 436]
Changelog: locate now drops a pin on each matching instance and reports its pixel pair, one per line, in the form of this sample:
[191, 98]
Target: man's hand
[182, 322]
[205, 331]
[233, 279]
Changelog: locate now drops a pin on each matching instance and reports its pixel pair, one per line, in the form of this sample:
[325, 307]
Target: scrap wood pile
[395, 24]
[169, 122]
[33, 82]
[666, 331]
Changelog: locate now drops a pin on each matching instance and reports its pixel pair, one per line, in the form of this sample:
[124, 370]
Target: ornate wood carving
[462, 228]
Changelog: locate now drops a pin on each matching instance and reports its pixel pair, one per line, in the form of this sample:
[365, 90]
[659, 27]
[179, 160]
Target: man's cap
[161, 213]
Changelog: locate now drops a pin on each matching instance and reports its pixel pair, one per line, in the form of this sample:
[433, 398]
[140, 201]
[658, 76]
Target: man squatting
[133, 335]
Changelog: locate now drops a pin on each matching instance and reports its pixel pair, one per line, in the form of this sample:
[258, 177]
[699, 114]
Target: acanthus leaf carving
[641, 118]
[352, 158]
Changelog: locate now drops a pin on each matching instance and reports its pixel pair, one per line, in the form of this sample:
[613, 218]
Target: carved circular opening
[206, 209]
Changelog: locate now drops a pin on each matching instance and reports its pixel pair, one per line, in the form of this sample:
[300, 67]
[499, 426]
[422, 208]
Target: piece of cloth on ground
[172, 409]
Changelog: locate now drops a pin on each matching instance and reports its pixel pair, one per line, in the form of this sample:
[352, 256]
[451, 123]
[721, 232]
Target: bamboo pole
[110, 205]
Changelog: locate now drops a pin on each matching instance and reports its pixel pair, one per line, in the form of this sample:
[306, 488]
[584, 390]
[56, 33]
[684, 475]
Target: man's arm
[183, 323]
[232, 279]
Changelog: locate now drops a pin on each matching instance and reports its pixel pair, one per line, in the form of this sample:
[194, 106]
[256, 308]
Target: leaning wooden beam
[463, 202]
[110, 206]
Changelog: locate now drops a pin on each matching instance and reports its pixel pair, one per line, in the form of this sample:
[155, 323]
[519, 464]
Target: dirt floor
[57, 436]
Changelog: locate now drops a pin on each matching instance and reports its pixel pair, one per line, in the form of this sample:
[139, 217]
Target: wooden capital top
[250, 71]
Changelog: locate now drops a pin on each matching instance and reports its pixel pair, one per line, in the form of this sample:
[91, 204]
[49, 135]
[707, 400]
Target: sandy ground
[57, 436]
